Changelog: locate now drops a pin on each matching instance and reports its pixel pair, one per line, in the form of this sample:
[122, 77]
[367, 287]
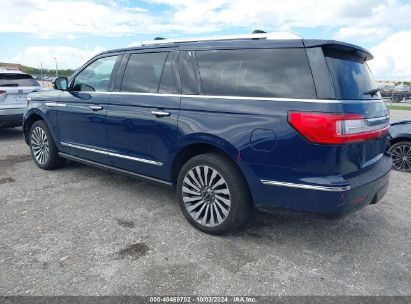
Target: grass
[393, 107]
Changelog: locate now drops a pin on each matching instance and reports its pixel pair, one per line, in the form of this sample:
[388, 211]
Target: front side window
[96, 77]
[256, 73]
[143, 72]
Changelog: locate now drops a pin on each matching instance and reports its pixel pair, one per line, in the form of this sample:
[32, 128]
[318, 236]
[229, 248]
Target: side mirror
[60, 83]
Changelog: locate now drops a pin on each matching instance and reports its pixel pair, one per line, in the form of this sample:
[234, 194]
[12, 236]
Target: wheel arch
[29, 120]
[190, 148]
[398, 139]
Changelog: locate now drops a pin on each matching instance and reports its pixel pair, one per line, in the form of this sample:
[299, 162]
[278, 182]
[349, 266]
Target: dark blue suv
[264, 120]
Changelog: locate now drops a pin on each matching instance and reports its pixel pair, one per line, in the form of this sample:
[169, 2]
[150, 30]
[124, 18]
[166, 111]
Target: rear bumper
[11, 117]
[333, 198]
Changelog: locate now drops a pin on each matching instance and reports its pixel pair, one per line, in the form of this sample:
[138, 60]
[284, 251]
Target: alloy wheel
[401, 157]
[206, 196]
[40, 145]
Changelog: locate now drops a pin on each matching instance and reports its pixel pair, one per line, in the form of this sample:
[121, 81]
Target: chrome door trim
[306, 186]
[96, 150]
[55, 104]
[103, 166]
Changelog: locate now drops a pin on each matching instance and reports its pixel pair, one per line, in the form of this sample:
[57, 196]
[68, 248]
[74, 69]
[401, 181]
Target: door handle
[160, 113]
[96, 108]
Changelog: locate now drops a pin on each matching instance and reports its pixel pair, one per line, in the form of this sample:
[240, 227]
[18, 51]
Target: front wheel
[213, 194]
[401, 156]
[43, 148]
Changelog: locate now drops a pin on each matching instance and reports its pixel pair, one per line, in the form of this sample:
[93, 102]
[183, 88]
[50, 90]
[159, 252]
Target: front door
[142, 116]
[81, 110]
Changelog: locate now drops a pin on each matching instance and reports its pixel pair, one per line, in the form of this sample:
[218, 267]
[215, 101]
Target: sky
[34, 32]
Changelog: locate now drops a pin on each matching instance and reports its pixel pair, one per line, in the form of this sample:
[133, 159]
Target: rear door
[142, 115]
[81, 110]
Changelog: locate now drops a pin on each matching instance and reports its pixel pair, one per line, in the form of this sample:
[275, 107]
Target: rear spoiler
[338, 45]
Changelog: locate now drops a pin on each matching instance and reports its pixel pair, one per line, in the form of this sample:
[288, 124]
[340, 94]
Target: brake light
[328, 128]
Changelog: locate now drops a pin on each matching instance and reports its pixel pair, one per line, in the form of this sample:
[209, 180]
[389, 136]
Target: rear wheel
[401, 156]
[42, 147]
[212, 194]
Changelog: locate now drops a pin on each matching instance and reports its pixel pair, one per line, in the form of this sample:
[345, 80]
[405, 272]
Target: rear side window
[281, 73]
[169, 83]
[17, 80]
[350, 74]
[143, 72]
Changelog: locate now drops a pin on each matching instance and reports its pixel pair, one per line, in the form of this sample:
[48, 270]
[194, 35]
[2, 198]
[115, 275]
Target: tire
[42, 147]
[401, 156]
[396, 99]
[217, 201]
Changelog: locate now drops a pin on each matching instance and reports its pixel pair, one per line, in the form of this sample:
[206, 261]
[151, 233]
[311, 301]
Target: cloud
[67, 57]
[348, 18]
[392, 58]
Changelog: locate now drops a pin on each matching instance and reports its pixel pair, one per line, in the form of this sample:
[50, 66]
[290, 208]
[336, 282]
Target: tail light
[328, 128]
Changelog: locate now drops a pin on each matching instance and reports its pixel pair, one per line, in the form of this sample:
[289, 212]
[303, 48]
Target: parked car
[399, 145]
[264, 120]
[14, 88]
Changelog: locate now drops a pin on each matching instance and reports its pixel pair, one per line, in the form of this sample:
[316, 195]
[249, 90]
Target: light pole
[55, 59]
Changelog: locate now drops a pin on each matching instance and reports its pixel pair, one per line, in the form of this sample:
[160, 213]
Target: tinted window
[256, 73]
[17, 80]
[351, 75]
[143, 72]
[189, 73]
[96, 77]
[169, 80]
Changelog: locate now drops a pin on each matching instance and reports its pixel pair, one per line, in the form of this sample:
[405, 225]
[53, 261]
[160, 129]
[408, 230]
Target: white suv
[14, 88]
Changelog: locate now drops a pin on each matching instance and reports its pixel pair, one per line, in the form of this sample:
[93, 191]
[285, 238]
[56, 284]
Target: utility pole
[41, 70]
[55, 59]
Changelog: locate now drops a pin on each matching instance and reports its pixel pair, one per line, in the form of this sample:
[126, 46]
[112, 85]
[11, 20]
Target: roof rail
[262, 36]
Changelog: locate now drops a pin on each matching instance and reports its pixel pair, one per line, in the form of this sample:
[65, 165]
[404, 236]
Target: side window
[256, 73]
[95, 77]
[169, 83]
[189, 73]
[143, 72]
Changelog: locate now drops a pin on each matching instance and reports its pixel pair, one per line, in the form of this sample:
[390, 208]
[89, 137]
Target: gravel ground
[84, 231]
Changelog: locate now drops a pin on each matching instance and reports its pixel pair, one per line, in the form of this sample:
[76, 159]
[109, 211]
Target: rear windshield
[17, 80]
[351, 75]
[256, 73]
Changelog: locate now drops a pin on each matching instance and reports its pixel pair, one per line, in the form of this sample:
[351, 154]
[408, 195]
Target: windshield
[351, 76]
[17, 80]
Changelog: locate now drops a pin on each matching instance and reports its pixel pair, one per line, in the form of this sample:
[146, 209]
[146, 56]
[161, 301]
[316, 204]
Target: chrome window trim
[306, 186]
[95, 150]
[241, 97]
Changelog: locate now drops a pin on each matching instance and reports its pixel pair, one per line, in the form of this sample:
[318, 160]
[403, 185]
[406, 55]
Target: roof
[276, 39]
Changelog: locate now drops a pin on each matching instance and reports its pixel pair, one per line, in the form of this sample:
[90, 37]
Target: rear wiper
[372, 92]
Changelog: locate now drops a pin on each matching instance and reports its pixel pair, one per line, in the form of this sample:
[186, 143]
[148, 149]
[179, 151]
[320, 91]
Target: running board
[113, 169]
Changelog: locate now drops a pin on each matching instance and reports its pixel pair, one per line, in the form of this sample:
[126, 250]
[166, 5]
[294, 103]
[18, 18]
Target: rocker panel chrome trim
[95, 150]
[96, 164]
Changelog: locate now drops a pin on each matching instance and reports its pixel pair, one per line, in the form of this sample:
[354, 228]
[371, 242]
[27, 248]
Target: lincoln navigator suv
[237, 123]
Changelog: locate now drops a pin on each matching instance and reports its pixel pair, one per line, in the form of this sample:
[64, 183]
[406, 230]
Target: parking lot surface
[84, 231]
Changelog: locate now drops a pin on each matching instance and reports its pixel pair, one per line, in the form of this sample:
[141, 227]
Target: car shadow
[278, 227]
[11, 133]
